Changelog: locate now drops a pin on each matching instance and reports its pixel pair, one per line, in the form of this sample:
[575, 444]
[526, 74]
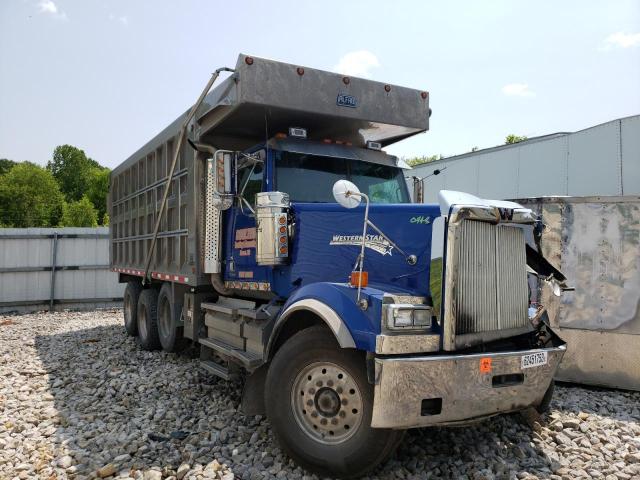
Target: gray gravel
[78, 399]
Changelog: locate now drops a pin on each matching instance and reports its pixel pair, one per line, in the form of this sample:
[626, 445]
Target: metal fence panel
[41, 268]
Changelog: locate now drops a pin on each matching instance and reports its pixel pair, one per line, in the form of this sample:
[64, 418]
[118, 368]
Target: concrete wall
[56, 268]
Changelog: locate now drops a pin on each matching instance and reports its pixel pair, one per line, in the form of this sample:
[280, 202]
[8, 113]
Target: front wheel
[319, 403]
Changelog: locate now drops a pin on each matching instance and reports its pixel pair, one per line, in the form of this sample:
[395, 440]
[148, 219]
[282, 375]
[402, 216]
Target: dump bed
[264, 97]
[259, 99]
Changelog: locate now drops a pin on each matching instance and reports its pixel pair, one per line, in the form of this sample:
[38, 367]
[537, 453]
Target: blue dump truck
[267, 227]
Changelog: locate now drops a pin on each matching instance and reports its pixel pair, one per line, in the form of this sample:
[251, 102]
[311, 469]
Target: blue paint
[324, 248]
[316, 256]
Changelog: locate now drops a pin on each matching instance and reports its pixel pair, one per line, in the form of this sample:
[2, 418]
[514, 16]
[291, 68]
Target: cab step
[249, 360]
[216, 369]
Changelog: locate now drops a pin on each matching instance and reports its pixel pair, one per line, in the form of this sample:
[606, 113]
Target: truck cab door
[241, 269]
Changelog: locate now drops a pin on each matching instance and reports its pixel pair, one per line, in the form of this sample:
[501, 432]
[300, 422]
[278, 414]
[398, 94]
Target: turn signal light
[359, 279]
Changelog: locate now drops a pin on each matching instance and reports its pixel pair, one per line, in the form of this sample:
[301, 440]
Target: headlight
[401, 316]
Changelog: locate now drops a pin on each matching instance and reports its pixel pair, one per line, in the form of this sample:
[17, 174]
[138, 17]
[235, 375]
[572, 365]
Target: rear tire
[130, 307]
[169, 329]
[324, 424]
[148, 320]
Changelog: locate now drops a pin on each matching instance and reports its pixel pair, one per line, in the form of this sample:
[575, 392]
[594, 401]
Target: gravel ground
[78, 399]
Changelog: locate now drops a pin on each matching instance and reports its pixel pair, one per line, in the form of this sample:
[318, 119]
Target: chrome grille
[491, 290]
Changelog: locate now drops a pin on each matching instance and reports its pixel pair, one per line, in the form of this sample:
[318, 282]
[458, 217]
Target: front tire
[148, 320]
[319, 403]
[169, 312]
[130, 307]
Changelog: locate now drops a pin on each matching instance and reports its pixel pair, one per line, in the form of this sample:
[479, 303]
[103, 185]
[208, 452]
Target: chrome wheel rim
[327, 403]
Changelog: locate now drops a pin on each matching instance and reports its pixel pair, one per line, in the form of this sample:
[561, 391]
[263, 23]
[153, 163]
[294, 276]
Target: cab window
[250, 174]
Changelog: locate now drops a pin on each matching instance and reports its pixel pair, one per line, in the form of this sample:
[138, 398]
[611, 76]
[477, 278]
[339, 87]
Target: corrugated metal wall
[55, 268]
[601, 160]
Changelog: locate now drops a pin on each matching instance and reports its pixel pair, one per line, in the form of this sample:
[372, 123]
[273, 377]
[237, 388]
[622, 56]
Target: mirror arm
[242, 199]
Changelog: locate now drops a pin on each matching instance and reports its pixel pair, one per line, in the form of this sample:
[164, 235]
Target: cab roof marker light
[374, 145]
[297, 132]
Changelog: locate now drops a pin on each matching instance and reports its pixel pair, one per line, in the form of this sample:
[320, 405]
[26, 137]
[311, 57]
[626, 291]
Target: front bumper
[453, 389]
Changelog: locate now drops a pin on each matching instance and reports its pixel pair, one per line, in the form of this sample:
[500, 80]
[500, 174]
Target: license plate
[534, 359]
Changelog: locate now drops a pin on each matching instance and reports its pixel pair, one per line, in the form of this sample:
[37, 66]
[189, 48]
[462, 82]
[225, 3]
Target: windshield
[310, 178]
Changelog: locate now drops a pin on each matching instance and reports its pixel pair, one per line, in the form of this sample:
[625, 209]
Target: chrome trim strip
[330, 317]
[407, 343]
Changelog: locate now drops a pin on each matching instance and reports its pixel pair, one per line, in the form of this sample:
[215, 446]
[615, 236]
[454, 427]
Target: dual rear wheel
[154, 317]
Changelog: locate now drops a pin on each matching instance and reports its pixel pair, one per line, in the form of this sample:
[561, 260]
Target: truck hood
[327, 238]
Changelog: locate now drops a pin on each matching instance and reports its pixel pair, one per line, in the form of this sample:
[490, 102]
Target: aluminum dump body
[261, 98]
[267, 97]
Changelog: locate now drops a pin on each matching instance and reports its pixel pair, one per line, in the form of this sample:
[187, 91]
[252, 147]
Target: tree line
[71, 191]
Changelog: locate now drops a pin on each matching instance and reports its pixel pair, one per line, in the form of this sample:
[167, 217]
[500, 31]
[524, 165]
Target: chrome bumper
[452, 389]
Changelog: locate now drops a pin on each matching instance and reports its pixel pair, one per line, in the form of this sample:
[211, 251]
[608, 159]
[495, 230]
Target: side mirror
[220, 179]
[346, 194]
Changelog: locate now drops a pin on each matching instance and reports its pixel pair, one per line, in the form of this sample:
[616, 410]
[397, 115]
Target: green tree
[511, 139]
[80, 213]
[98, 188]
[71, 168]
[415, 161]
[29, 197]
[5, 165]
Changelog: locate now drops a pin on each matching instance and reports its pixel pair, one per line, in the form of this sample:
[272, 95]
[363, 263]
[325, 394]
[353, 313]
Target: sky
[106, 76]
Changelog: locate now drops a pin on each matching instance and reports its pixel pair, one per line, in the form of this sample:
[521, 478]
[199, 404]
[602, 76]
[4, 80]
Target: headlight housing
[407, 316]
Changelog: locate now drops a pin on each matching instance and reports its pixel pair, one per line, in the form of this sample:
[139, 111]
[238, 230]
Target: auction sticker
[534, 359]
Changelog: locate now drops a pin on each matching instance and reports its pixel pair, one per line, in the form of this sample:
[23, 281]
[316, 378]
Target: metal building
[601, 160]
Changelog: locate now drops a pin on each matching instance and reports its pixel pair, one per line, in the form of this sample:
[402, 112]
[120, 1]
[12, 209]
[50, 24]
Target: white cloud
[48, 7]
[124, 20]
[358, 63]
[620, 40]
[518, 90]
